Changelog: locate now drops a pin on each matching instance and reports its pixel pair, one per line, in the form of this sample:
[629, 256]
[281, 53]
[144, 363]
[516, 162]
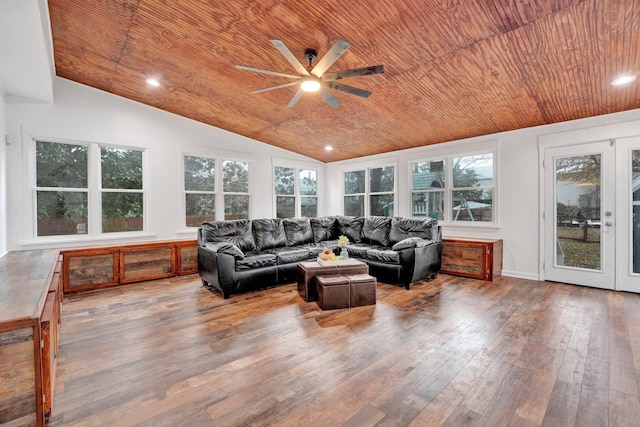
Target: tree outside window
[199, 188]
[235, 186]
[354, 183]
[122, 195]
[61, 189]
[295, 197]
[376, 186]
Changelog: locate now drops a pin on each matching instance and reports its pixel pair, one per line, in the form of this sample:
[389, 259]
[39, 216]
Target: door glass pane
[578, 196]
[635, 190]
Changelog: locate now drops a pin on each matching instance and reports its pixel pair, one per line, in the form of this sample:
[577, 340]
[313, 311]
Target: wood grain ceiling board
[453, 69]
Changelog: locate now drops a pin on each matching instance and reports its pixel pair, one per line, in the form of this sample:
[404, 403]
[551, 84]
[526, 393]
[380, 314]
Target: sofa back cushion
[323, 228]
[402, 228]
[236, 232]
[350, 226]
[268, 233]
[375, 230]
[297, 231]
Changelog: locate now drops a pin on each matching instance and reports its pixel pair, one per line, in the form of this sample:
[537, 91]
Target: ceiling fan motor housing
[310, 55]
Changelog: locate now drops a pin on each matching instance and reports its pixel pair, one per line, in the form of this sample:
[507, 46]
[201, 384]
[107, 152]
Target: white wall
[81, 113]
[517, 185]
[3, 176]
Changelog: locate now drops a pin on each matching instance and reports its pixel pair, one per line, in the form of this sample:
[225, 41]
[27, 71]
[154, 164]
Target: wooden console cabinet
[100, 267]
[475, 258]
[30, 297]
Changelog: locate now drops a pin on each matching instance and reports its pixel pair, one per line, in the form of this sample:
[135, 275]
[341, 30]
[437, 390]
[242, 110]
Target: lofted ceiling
[453, 69]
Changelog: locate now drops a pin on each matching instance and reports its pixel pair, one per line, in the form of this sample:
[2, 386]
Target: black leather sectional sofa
[241, 255]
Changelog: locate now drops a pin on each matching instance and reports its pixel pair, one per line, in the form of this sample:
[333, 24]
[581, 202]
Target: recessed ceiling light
[328, 148]
[623, 80]
[153, 82]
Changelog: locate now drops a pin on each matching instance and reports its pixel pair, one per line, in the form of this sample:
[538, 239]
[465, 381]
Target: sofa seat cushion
[314, 250]
[297, 231]
[237, 232]
[268, 233]
[383, 255]
[293, 255]
[358, 250]
[255, 260]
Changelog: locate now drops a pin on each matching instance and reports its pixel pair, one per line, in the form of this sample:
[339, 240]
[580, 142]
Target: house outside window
[199, 190]
[454, 189]
[235, 188]
[369, 190]
[296, 192]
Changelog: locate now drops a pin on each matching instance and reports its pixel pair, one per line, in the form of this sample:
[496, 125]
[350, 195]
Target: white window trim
[367, 193]
[94, 189]
[463, 150]
[297, 166]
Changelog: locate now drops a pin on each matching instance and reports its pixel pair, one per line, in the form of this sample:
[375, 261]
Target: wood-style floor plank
[449, 352]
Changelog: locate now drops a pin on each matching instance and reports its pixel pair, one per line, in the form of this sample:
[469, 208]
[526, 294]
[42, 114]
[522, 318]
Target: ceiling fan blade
[332, 56]
[356, 72]
[266, 89]
[331, 100]
[295, 98]
[284, 50]
[349, 89]
[260, 70]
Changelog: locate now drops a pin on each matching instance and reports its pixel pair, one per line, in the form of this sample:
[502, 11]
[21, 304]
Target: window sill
[85, 240]
[470, 225]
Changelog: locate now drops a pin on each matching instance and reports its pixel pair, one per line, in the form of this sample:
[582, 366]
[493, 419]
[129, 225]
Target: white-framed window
[369, 191]
[457, 188]
[199, 189]
[235, 189]
[86, 189]
[296, 192]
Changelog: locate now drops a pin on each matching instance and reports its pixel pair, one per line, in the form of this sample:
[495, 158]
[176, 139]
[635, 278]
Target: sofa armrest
[225, 248]
[411, 242]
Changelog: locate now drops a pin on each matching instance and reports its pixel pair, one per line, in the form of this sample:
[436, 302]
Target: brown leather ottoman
[363, 290]
[333, 292]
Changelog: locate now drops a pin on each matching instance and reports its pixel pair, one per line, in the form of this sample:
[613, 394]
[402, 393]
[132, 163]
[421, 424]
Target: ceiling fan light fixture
[623, 80]
[310, 85]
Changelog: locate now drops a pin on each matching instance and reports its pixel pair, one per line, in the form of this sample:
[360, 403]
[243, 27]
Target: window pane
[354, 205]
[122, 212]
[309, 206]
[61, 212]
[635, 214]
[473, 171]
[381, 204]
[354, 182]
[200, 208]
[473, 205]
[121, 168]
[236, 206]
[428, 204]
[428, 175]
[285, 207]
[381, 179]
[308, 183]
[235, 177]
[199, 173]
[284, 180]
[61, 165]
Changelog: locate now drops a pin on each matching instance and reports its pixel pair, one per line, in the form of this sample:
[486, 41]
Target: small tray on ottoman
[333, 292]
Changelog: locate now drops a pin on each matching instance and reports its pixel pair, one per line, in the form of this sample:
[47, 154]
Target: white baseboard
[520, 275]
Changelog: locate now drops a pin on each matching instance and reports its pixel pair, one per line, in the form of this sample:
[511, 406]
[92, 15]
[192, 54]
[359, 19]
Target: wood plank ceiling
[453, 69]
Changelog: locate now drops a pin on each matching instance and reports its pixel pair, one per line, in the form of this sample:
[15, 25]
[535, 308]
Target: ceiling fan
[313, 78]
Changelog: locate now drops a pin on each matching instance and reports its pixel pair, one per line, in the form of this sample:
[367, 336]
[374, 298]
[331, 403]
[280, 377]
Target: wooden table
[476, 258]
[30, 295]
[307, 271]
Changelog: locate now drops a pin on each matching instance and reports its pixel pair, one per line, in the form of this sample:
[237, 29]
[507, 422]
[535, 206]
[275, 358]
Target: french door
[592, 214]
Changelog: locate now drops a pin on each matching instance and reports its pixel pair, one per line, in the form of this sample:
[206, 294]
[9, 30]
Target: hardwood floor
[451, 351]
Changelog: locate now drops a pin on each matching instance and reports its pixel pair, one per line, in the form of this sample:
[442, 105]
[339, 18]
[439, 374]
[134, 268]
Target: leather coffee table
[307, 272]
